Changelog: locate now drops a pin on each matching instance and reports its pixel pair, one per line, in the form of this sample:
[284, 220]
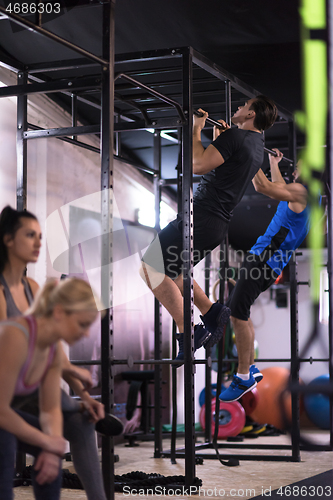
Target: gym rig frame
[129, 88]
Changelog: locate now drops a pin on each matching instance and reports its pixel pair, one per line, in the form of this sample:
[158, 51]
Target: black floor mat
[315, 487]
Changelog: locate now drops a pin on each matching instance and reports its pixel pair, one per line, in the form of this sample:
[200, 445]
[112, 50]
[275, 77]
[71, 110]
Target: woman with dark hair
[20, 241]
[30, 358]
[19, 234]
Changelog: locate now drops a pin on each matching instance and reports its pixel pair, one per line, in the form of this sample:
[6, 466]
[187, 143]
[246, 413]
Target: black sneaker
[215, 321]
[201, 335]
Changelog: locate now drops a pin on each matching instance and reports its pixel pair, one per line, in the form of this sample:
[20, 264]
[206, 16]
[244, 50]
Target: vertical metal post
[292, 149]
[208, 366]
[294, 365]
[187, 265]
[330, 208]
[174, 326]
[21, 190]
[330, 267]
[174, 396]
[228, 101]
[157, 306]
[21, 146]
[107, 212]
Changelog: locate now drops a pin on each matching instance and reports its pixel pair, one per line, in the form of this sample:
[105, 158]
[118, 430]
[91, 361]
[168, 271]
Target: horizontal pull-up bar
[273, 153]
[219, 125]
[153, 92]
[25, 23]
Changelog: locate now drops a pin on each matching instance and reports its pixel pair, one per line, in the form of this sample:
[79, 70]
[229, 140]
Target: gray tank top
[12, 309]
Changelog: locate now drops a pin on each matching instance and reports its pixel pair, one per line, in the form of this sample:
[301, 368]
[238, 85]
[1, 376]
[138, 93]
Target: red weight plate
[250, 401]
[231, 419]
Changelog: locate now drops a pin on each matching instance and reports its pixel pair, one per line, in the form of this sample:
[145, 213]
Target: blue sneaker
[237, 389]
[215, 320]
[200, 336]
[256, 373]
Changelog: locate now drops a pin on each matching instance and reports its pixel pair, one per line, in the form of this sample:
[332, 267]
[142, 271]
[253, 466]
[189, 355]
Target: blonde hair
[73, 294]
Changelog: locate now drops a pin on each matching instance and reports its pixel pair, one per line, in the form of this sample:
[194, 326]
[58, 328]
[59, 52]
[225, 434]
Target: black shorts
[165, 253]
[254, 277]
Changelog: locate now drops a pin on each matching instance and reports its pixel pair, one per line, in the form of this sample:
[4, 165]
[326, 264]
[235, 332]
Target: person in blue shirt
[262, 266]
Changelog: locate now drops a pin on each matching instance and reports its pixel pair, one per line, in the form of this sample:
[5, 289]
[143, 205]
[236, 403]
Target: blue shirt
[286, 231]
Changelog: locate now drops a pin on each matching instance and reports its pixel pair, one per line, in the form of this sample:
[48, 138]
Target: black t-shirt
[221, 190]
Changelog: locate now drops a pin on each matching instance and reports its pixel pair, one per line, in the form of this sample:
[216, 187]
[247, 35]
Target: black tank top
[12, 309]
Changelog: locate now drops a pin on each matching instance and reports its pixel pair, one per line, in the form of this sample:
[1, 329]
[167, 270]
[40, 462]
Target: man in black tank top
[227, 167]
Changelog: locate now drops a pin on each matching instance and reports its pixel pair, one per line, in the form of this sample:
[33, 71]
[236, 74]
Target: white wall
[60, 173]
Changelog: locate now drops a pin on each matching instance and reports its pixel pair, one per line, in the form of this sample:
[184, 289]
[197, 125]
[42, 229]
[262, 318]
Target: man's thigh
[254, 278]
[166, 254]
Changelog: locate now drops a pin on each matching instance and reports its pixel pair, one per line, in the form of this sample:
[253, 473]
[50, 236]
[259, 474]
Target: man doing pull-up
[227, 166]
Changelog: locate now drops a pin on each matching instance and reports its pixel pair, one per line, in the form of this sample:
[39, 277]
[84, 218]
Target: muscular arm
[261, 183]
[204, 160]
[280, 190]
[274, 161]
[295, 194]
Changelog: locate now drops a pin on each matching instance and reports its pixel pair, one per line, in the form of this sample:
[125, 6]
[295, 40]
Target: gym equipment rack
[158, 90]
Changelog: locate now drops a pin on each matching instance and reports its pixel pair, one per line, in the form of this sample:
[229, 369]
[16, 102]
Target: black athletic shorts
[165, 253]
[254, 277]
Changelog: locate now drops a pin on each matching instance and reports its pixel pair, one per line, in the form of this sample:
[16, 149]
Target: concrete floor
[248, 480]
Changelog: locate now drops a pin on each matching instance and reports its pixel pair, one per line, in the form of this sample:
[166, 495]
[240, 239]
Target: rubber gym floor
[248, 480]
